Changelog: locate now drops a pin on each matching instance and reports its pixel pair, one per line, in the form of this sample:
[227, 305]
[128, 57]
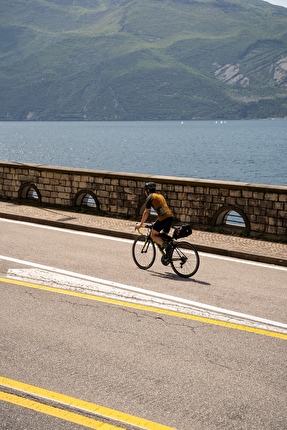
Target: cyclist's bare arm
[145, 216]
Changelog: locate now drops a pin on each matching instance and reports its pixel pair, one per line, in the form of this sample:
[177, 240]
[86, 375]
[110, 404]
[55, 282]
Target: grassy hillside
[134, 59]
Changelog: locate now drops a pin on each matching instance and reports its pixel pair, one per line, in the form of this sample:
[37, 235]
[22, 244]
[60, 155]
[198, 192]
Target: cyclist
[165, 215]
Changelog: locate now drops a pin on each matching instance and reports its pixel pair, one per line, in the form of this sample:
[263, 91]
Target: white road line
[66, 230]
[248, 262]
[131, 293]
[118, 239]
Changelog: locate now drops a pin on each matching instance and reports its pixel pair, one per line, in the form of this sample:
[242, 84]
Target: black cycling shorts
[164, 225]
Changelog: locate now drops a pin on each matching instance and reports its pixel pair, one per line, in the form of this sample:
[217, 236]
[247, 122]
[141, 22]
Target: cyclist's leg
[168, 224]
[164, 226]
[159, 226]
[155, 233]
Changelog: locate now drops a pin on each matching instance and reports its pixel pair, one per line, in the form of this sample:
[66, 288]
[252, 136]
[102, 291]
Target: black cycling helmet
[150, 186]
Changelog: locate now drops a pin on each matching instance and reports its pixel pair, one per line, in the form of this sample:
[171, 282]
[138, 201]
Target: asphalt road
[210, 355]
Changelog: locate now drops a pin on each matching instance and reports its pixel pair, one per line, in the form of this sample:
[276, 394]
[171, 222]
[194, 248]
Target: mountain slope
[142, 60]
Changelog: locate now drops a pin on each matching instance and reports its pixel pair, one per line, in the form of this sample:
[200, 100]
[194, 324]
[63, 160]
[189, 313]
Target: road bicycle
[182, 256]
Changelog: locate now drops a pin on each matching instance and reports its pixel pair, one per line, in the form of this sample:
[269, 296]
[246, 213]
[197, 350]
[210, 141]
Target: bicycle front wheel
[184, 259]
[143, 252]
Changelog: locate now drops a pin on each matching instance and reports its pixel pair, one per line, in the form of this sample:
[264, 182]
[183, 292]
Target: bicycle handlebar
[144, 226]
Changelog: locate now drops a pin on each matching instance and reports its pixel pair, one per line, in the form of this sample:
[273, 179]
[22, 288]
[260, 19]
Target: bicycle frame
[149, 227]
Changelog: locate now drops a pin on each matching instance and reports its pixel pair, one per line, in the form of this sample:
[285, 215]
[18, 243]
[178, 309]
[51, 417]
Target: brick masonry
[203, 203]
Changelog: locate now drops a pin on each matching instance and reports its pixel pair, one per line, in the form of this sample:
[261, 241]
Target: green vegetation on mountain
[142, 59]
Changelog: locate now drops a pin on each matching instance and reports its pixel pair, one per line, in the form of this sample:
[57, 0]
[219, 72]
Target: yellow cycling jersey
[157, 201]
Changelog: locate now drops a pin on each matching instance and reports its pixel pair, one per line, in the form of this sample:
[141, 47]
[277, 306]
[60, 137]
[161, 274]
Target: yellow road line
[148, 308]
[55, 412]
[74, 403]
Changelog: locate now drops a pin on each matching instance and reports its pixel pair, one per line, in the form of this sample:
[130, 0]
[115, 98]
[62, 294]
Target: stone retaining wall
[263, 208]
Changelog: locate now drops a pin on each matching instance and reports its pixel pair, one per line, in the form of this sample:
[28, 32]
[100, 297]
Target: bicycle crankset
[165, 260]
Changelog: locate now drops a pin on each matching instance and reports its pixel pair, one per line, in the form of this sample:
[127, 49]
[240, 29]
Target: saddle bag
[182, 231]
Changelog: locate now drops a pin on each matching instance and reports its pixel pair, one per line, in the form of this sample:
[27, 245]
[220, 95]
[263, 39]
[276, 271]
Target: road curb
[121, 234]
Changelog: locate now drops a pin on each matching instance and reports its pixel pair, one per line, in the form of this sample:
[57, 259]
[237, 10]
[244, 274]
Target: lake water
[243, 151]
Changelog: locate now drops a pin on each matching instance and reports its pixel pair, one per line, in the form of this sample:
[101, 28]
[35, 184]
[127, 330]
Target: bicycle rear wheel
[143, 252]
[184, 259]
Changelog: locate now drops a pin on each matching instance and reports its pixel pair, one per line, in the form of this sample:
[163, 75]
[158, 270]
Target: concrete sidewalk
[232, 246]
